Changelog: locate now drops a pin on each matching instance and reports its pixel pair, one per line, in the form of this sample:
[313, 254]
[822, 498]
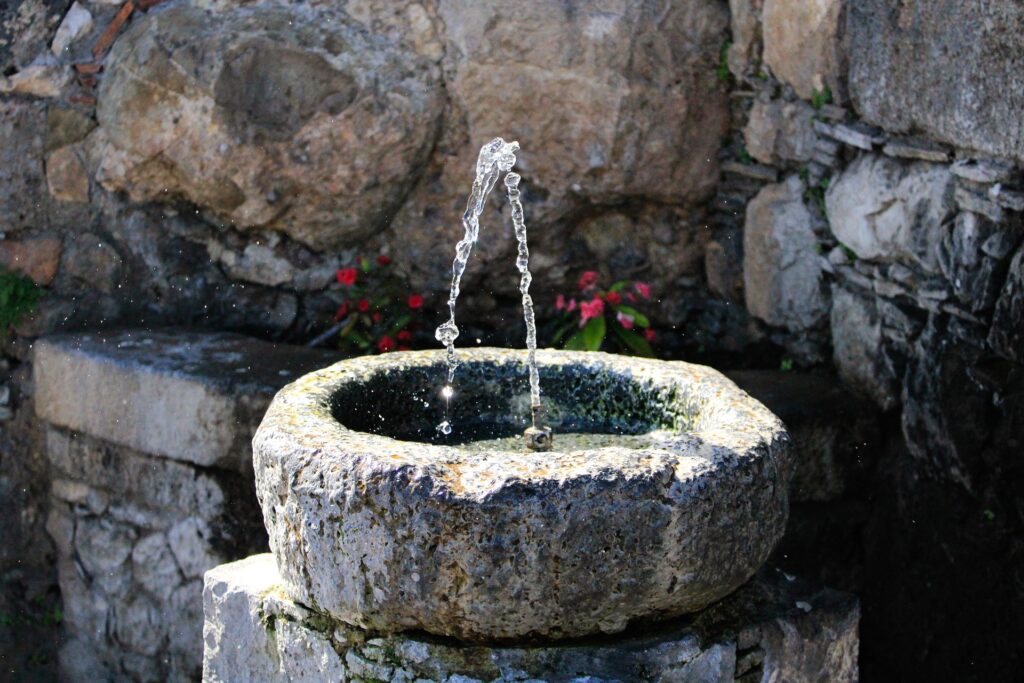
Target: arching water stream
[496, 157]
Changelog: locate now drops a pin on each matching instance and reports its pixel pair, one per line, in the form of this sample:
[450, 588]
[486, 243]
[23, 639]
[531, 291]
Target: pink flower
[415, 301]
[650, 335]
[404, 335]
[342, 312]
[383, 260]
[385, 344]
[571, 306]
[643, 289]
[625, 320]
[363, 305]
[588, 279]
[590, 309]
[613, 298]
[559, 303]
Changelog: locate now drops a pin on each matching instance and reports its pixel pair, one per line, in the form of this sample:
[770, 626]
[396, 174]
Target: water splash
[496, 157]
[523, 264]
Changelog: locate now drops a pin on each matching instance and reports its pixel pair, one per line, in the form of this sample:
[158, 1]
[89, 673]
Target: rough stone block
[190, 396]
[862, 351]
[803, 46]
[780, 131]
[886, 210]
[773, 628]
[968, 93]
[783, 280]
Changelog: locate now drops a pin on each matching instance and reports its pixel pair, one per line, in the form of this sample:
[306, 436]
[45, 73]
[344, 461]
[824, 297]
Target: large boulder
[601, 117]
[601, 120]
[888, 210]
[288, 118]
[949, 68]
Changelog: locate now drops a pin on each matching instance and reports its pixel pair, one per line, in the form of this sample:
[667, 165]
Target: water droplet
[447, 392]
[445, 427]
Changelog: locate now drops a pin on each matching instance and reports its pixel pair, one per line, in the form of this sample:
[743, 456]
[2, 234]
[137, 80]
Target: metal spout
[538, 439]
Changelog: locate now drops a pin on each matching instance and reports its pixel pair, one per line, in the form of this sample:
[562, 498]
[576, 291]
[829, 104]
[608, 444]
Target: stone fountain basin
[372, 524]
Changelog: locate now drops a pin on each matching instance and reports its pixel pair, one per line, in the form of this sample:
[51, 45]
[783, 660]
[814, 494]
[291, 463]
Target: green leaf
[634, 342]
[561, 332]
[593, 333]
[400, 322]
[638, 317]
[360, 339]
[618, 286]
[576, 342]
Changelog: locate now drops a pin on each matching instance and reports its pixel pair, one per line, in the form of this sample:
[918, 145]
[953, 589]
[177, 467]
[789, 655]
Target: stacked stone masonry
[148, 444]
[776, 627]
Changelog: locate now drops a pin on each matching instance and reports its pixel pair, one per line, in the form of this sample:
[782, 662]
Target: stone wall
[832, 186]
[147, 436]
[875, 160]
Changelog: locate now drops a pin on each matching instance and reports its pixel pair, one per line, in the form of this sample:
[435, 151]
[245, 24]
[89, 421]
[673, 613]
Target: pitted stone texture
[968, 93]
[396, 535]
[889, 210]
[774, 628]
[286, 118]
[188, 396]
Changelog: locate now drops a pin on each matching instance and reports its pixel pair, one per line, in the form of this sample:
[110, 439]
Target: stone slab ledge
[774, 628]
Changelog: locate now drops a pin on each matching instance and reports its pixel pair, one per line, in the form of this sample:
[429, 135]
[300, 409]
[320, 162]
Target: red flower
[342, 312]
[385, 344]
[404, 347]
[347, 276]
[377, 317]
[363, 305]
[588, 279]
[613, 298]
[625, 320]
[383, 260]
[571, 306]
[650, 335]
[559, 302]
[404, 335]
[590, 309]
[415, 301]
[643, 289]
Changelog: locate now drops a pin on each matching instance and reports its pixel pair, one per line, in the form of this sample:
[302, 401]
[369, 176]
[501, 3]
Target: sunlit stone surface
[774, 628]
[381, 530]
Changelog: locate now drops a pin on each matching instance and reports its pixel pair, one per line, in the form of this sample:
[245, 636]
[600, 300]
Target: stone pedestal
[148, 443]
[774, 628]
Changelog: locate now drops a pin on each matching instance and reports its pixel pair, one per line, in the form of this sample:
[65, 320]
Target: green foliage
[18, 298]
[722, 70]
[744, 156]
[596, 319]
[850, 253]
[786, 365]
[378, 314]
[988, 515]
[816, 193]
[819, 98]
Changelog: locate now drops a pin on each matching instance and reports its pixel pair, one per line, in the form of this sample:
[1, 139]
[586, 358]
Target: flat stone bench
[774, 628]
[148, 439]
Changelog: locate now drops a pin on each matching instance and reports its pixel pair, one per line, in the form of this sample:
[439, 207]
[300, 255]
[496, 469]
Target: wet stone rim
[393, 535]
